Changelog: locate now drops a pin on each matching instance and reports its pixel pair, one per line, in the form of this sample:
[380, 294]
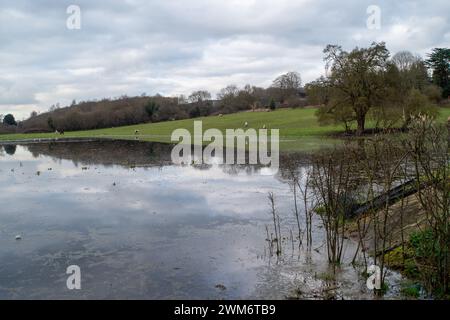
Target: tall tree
[356, 79]
[407, 90]
[272, 104]
[439, 62]
[151, 108]
[51, 123]
[230, 91]
[287, 84]
[412, 70]
[9, 120]
[403, 60]
[200, 96]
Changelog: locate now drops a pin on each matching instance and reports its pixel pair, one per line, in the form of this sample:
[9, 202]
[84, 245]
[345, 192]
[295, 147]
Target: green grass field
[299, 129]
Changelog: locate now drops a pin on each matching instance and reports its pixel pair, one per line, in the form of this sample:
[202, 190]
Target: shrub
[428, 254]
[9, 120]
[272, 104]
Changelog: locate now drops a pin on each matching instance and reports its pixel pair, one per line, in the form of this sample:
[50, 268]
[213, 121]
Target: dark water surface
[140, 227]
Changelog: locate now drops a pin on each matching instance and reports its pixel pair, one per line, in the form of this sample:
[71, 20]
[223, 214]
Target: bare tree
[331, 183]
[230, 91]
[199, 96]
[288, 84]
[276, 223]
[404, 60]
[387, 159]
[429, 146]
[309, 202]
[357, 80]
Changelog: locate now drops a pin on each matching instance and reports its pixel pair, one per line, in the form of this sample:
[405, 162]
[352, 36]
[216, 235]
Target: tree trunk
[361, 121]
[448, 128]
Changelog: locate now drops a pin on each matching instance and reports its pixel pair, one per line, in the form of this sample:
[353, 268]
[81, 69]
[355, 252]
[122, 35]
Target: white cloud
[174, 47]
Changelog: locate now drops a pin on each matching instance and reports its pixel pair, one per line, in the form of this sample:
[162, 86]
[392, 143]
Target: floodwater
[140, 227]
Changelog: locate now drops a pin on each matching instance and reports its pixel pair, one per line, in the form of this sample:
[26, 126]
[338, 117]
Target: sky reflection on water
[142, 228]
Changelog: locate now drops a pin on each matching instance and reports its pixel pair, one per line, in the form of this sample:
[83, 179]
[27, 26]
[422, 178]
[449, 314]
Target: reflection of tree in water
[10, 149]
[107, 152]
[136, 153]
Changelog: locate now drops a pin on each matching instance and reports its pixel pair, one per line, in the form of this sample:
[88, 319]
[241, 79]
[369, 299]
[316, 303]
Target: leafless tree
[429, 146]
[199, 96]
[331, 183]
[276, 224]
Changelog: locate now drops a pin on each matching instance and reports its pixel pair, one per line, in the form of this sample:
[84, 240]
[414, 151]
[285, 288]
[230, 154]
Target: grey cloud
[173, 47]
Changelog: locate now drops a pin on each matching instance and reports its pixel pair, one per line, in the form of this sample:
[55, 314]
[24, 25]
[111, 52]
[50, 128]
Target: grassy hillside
[299, 129]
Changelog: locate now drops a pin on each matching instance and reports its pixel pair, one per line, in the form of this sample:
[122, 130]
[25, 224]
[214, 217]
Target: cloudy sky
[173, 47]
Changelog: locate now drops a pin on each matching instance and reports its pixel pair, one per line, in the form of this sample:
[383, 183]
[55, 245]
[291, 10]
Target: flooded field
[141, 228]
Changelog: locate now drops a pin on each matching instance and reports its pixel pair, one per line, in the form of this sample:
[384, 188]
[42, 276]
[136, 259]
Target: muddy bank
[404, 218]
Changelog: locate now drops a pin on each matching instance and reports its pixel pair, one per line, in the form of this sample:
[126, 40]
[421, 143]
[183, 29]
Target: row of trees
[365, 83]
[362, 84]
[285, 91]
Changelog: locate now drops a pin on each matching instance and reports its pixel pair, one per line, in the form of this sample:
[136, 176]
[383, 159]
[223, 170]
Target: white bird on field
[246, 124]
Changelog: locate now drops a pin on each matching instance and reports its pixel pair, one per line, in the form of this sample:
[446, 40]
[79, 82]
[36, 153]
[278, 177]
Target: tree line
[366, 83]
[286, 91]
[359, 85]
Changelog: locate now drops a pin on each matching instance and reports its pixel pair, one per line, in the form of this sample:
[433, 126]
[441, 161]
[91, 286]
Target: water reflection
[142, 228]
[138, 154]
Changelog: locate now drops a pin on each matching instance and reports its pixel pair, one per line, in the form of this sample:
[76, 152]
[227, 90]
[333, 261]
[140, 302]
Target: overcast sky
[173, 47]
